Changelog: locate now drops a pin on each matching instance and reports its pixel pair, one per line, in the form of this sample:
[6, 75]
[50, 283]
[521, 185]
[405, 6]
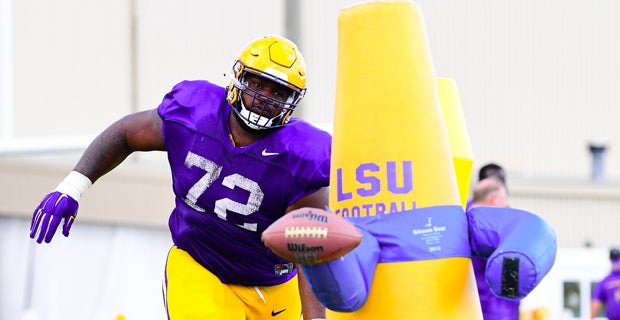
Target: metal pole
[292, 31]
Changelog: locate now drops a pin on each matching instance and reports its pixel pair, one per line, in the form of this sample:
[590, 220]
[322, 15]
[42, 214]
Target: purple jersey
[226, 196]
[493, 307]
[608, 292]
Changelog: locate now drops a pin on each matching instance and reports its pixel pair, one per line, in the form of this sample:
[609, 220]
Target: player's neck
[240, 136]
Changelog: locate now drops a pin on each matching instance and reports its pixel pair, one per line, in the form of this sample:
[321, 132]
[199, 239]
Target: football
[311, 236]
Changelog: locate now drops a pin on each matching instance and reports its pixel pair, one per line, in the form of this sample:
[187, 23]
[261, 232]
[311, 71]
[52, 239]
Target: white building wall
[584, 214]
[537, 80]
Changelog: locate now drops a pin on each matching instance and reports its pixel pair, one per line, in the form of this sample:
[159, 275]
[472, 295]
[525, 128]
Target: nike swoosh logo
[275, 313]
[267, 154]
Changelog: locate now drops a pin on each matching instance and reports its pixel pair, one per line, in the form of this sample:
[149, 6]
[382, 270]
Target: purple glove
[53, 208]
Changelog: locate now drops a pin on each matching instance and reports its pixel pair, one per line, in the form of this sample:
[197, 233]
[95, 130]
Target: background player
[238, 162]
[486, 171]
[492, 192]
[607, 292]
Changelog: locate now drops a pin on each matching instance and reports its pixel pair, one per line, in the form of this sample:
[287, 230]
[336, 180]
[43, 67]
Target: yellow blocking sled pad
[460, 146]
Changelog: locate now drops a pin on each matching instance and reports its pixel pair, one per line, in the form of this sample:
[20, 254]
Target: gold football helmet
[276, 59]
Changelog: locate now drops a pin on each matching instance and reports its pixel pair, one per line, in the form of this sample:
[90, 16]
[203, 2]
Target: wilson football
[311, 236]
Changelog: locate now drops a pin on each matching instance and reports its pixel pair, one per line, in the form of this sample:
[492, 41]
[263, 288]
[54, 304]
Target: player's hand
[46, 218]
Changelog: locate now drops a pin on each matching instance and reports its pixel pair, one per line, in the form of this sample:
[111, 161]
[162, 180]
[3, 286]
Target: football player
[239, 161]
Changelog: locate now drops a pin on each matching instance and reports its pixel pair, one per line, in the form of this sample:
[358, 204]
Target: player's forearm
[311, 306]
[104, 153]
[595, 308]
[140, 131]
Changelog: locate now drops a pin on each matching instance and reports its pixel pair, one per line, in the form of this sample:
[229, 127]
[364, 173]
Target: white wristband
[74, 185]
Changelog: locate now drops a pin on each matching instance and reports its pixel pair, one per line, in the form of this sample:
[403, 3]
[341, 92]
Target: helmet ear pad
[232, 94]
[232, 90]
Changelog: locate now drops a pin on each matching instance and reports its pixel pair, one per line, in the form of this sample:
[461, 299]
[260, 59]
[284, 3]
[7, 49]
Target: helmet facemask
[263, 112]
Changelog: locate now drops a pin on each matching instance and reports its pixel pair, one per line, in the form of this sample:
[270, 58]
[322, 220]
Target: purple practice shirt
[226, 196]
[493, 307]
[608, 292]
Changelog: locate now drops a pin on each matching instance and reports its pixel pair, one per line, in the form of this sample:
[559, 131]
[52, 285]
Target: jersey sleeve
[187, 103]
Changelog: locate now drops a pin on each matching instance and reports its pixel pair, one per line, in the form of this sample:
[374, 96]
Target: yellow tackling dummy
[388, 121]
